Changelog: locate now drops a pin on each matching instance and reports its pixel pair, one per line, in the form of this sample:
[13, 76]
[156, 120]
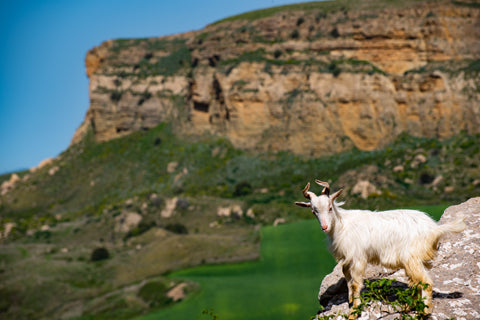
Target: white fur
[388, 236]
[395, 239]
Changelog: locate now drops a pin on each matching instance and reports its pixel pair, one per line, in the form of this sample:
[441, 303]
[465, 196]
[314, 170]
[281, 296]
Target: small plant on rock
[408, 303]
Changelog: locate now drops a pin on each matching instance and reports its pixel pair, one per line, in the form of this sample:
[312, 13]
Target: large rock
[9, 184]
[454, 273]
[365, 188]
[312, 82]
[126, 221]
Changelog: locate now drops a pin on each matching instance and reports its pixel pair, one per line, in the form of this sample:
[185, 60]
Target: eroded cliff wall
[313, 82]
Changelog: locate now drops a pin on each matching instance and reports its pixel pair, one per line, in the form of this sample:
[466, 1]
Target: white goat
[395, 239]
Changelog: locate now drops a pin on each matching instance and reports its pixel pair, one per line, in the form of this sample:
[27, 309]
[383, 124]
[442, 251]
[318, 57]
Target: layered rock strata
[311, 82]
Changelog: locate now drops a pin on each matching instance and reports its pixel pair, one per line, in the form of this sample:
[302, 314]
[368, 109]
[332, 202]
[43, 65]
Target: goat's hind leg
[417, 273]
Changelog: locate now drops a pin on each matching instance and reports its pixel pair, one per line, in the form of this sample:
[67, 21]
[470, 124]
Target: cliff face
[313, 82]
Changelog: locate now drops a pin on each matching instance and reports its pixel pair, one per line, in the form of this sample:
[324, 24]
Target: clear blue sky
[43, 85]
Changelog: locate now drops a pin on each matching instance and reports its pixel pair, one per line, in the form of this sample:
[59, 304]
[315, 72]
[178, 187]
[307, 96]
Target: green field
[282, 285]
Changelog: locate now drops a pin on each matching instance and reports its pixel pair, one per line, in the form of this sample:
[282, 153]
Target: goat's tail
[441, 230]
[455, 226]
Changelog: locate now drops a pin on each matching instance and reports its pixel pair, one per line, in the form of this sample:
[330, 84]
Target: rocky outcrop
[454, 273]
[9, 184]
[365, 188]
[312, 82]
[126, 221]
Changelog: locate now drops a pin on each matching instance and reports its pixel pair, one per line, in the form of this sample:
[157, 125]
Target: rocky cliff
[313, 79]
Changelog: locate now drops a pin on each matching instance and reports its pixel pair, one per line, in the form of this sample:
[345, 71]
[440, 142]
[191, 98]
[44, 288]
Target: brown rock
[127, 221]
[170, 206]
[365, 188]
[96, 56]
[9, 184]
[177, 293]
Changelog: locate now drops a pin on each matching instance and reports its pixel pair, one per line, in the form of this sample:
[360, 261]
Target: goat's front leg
[356, 272]
[357, 285]
[348, 278]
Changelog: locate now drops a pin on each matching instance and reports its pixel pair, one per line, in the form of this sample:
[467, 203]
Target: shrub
[157, 141]
[153, 293]
[8, 297]
[157, 201]
[473, 67]
[177, 228]
[42, 235]
[242, 189]
[116, 95]
[295, 34]
[426, 178]
[321, 15]
[142, 227]
[334, 33]
[99, 254]
[334, 69]
[144, 97]
[182, 204]
[209, 314]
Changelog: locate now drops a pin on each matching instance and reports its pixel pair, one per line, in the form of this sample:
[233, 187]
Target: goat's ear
[303, 204]
[336, 194]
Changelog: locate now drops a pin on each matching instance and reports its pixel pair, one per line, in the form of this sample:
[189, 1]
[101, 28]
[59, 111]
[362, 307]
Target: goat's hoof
[428, 310]
[352, 314]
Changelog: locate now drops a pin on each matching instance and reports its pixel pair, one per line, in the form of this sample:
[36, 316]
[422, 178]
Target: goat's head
[321, 205]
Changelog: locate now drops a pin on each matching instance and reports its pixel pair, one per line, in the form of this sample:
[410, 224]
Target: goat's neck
[337, 219]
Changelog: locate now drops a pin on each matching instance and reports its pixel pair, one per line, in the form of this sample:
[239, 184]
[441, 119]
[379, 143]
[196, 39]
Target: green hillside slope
[60, 219]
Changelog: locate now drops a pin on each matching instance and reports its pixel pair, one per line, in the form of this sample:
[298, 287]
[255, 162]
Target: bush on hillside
[242, 188]
[177, 228]
[153, 293]
[99, 254]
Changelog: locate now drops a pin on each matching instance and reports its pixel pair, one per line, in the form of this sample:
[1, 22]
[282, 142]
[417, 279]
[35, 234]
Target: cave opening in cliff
[218, 92]
[201, 106]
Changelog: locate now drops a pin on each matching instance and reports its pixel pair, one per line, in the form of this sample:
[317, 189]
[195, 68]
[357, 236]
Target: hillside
[96, 232]
[194, 142]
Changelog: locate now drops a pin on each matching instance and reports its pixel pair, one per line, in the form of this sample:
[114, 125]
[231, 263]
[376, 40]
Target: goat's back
[386, 237]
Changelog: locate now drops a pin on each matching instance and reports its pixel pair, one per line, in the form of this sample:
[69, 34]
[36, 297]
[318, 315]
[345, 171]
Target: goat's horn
[305, 191]
[325, 185]
[336, 194]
